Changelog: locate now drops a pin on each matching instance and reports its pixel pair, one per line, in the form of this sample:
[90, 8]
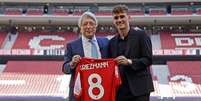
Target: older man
[88, 45]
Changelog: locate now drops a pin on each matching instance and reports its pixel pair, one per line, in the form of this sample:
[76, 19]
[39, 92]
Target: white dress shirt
[87, 47]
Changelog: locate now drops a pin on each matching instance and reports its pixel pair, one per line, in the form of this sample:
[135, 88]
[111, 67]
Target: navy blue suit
[76, 48]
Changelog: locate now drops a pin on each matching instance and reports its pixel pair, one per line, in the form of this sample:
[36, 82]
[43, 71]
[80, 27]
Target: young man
[86, 46]
[132, 50]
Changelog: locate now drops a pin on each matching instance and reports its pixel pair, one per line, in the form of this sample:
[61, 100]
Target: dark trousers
[124, 94]
[71, 95]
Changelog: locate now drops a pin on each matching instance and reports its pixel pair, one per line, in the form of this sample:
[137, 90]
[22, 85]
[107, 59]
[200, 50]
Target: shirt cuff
[130, 61]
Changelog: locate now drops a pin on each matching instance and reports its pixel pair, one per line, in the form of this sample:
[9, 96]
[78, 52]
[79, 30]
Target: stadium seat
[2, 38]
[34, 67]
[43, 40]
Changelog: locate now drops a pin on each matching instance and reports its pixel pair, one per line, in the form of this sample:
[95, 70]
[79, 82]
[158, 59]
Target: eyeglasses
[121, 17]
[88, 23]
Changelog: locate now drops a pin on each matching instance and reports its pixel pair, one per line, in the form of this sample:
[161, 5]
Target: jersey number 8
[93, 85]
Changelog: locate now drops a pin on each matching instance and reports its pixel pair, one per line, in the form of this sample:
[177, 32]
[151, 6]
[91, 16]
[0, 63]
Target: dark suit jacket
[139, 50]
[76, 48]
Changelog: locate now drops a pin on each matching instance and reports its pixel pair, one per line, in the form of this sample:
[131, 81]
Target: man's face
[88, 27]
[121, 21]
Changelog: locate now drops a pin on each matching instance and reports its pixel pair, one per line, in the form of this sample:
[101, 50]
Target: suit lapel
[115, 46]
[100, 47]
[129, 42]
[80, 47]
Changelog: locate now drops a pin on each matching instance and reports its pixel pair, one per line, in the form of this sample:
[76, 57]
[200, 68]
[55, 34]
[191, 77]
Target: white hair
[87, 13]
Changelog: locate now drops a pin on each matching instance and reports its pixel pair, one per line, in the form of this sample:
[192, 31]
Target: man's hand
[122, 60]
[75, 61]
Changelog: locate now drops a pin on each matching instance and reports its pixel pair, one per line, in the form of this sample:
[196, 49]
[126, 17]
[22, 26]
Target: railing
[60, 52]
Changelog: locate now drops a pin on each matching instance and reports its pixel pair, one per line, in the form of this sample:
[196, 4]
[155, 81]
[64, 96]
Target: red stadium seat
[136, 12]
[182, 11]
[2, 38]
[198, 11]
[185, 67]
[180, 40]
[185, 78]
[34, 11]
[158, 11]
[13, 11]
[60, 12]
[104, 13]
[43, 40]
[33, 87]
[34, 67]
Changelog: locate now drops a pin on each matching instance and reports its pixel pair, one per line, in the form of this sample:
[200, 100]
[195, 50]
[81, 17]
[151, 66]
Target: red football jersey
[96, 80]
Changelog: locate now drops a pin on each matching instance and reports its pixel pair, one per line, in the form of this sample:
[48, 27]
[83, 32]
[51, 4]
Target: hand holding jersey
[122, 60]
[75, 61]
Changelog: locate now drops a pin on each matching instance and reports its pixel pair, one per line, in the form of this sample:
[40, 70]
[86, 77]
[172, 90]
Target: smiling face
[121, 21]
[88, 27]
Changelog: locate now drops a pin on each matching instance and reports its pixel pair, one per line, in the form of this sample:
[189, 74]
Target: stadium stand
[185, 79]
[180, 40]
[33, 87]
[160, 73]
[57, 11]
[78, 10]
[156, 94]
[2, 38]
[136, 11]
[42, 80]
[104, 34]
[198, 11]
[34, 67]
[181, 10]
[13, 11]
[185, 67]
[34, 11]
[2, 66]
[104, 11]
[156, 41]
[43, 40]
[167, 42]
[157, 11]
